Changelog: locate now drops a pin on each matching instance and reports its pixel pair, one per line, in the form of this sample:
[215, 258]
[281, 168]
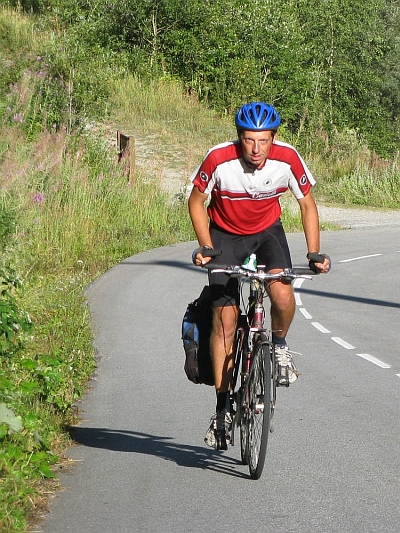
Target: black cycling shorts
[271, 249]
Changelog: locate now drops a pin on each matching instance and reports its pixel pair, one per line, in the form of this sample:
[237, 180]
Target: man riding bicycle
[245, 179]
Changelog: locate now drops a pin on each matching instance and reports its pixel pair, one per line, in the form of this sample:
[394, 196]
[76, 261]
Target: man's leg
[225, 295]
[221, 347]
[282, 306]
[282, 311]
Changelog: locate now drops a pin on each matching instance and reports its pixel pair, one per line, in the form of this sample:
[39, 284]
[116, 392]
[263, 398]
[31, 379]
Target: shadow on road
[186, 265]
[347, 297]
[164, 447]
[350, 298]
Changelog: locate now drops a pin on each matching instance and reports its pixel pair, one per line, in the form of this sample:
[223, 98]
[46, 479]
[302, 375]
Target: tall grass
[349, 173]
[20, 31]
[365, 186]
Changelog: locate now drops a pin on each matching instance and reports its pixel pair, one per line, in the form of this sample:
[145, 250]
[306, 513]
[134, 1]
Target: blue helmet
[257, 116]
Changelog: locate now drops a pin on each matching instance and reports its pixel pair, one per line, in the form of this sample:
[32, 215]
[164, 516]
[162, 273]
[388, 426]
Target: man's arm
[310, 221]
[199, 217]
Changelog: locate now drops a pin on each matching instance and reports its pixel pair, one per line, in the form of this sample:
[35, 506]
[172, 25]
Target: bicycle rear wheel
[259, 393]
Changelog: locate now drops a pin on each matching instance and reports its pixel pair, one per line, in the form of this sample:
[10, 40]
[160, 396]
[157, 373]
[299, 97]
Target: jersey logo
[203, 176]
[262, 195]
[303, 180]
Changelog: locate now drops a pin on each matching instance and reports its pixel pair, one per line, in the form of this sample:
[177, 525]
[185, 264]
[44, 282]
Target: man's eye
[261, 141]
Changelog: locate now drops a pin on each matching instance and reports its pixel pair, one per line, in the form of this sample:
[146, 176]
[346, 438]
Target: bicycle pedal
[282, 384]
[282, 377]
[258, 408]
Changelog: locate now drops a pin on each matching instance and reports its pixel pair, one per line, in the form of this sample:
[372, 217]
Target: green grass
[365, 187]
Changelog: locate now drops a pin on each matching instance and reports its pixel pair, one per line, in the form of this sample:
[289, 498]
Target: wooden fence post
[126, 152]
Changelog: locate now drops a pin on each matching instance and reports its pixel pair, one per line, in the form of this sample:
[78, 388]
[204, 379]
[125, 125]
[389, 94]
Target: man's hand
[319, 263]
[203, 255]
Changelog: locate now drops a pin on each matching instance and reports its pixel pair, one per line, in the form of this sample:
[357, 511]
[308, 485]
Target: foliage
[13, 321]
[349, 64]
[308, 58]
[7, 222]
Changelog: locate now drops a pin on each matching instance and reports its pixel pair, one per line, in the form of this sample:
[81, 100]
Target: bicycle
[253, 397]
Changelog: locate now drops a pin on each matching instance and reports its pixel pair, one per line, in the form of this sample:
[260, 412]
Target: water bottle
[250, 263]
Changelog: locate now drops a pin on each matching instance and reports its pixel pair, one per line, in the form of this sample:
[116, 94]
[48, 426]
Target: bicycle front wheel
[244, 431]
[259, 391]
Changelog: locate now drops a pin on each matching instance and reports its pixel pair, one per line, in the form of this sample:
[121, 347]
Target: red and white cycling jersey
[244, 200]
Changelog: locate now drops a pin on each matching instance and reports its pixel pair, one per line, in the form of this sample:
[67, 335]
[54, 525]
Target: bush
[13, 321]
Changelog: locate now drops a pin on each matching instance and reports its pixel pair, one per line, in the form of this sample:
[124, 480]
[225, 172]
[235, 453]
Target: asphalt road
[333, 461]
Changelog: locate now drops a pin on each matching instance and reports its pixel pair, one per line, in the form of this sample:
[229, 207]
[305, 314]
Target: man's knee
[224, 321]
[282, 296]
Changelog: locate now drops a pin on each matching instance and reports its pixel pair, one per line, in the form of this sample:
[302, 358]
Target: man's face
[256, 146]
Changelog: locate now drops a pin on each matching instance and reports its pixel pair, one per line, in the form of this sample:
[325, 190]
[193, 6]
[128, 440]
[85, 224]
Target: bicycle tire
[259, 391]
[244, 439]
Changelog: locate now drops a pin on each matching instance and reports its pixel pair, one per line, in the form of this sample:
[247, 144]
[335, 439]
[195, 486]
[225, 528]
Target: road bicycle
[253, 386]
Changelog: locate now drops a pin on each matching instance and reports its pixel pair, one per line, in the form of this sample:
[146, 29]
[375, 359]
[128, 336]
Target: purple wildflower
[18, 117]
[39, 198]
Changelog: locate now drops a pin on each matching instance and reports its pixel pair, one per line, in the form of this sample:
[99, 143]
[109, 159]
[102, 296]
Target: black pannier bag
[196, 332]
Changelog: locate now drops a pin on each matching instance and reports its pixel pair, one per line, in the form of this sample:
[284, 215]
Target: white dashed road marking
[343, 343]
[374, 360]
[298, 299]
[305, 313]
[298, 283]
[357, 258]
[320, 327]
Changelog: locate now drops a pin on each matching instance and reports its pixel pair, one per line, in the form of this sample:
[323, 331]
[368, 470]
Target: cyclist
[245, 179]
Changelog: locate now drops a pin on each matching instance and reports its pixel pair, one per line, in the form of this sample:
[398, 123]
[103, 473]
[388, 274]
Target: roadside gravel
[359, 218]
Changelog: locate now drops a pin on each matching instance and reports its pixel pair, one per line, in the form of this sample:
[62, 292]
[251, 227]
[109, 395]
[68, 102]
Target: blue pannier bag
[196, 332]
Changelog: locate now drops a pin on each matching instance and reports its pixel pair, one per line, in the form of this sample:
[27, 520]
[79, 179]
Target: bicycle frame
[250, 325]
